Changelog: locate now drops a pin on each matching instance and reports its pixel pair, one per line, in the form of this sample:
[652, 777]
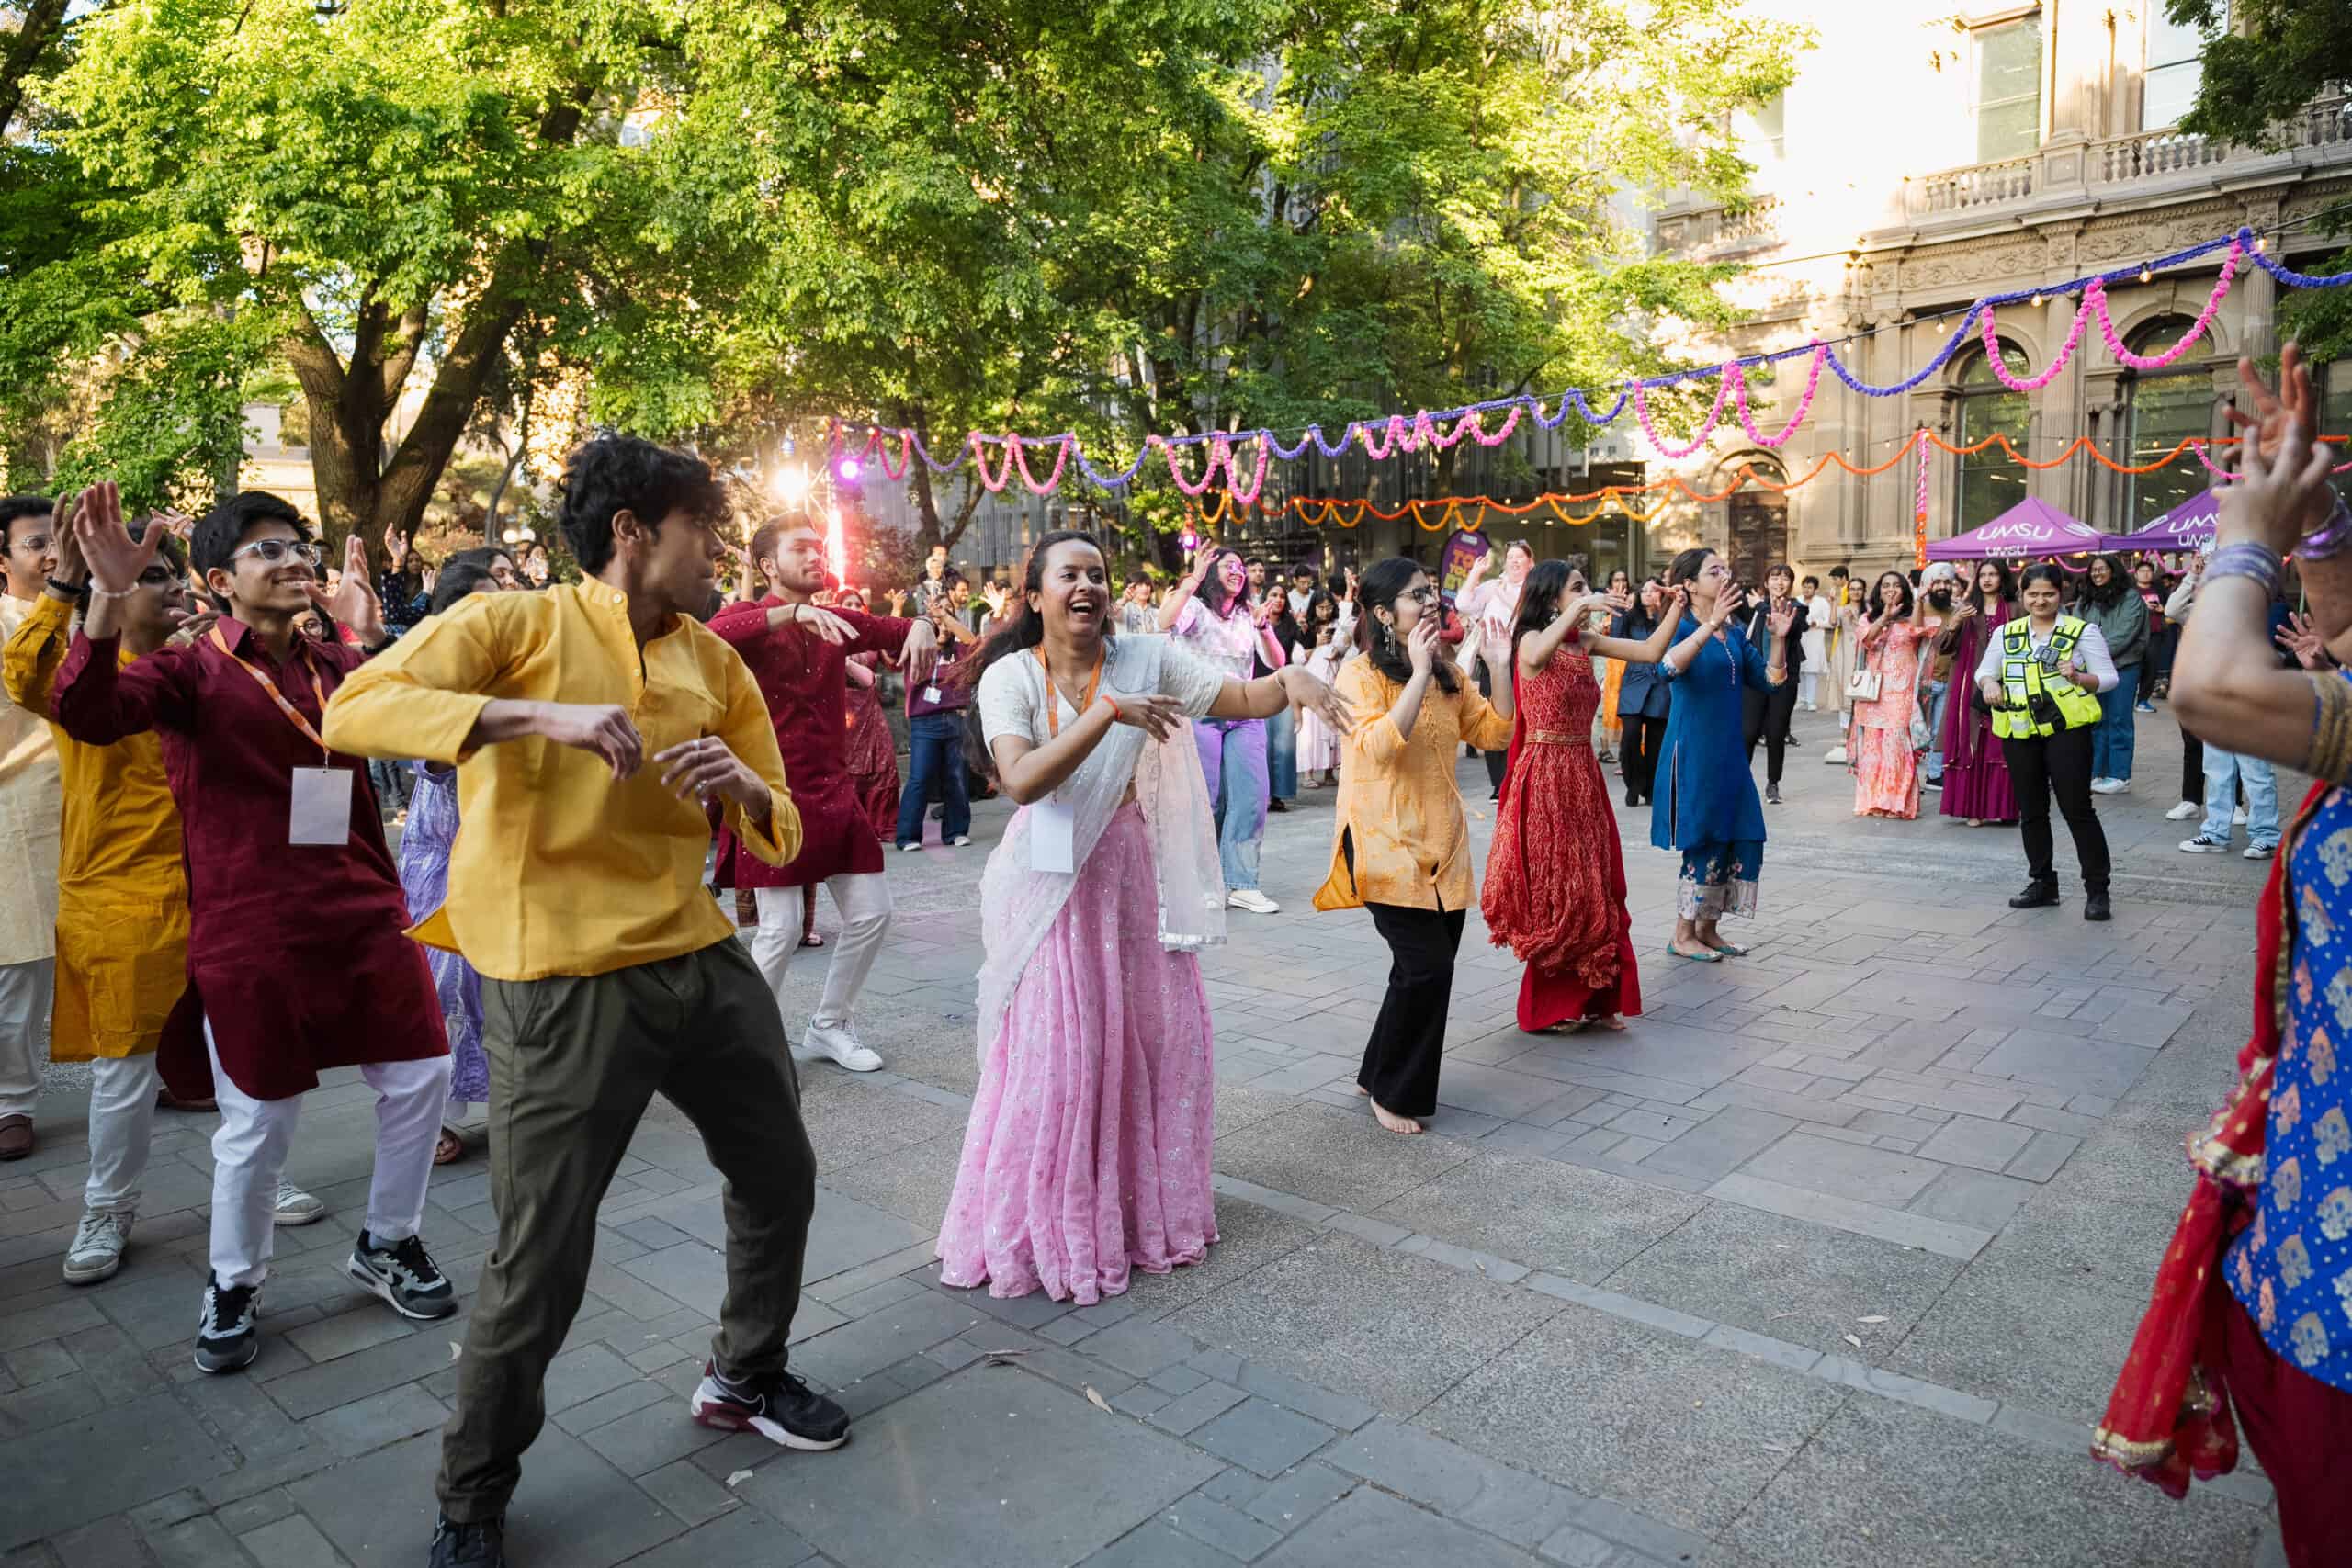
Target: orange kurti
[1402, 837]
[122, 885]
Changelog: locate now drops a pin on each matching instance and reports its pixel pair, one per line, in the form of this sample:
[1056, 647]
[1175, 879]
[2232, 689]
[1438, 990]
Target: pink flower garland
[981, 464]
[1244, 495]
[2066, 350]
[2229, 476]
[1715, 417]
[1061, 457]
[905, 454]
[2095, 299]
[1218, 457]
[1738, 379]
[1478, 432]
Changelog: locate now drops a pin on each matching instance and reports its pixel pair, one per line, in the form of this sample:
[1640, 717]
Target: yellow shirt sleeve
[1375, 737]
[749, 733]
[422, 696]
[1482, 724]
[35, 652]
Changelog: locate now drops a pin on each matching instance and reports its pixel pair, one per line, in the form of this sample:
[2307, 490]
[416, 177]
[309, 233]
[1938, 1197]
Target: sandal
[450, 1147]
[1729, 949]
[1708, 957]
[812, 939]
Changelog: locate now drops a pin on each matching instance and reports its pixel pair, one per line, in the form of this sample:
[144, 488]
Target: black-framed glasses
[1424, 595]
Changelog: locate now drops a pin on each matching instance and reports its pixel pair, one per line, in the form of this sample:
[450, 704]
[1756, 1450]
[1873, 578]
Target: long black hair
[1874, 609]
[1539, 600]
[1021, 628]
[2119, 582]
[1379, 589]
[2006, 595]
[1212, 594]
[1640, 621]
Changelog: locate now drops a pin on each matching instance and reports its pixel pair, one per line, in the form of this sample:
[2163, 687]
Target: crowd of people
[624, 792]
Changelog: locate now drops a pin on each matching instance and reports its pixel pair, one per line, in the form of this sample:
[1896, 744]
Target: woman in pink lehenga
[1884, 765]
[1087, 1154]
[1976, 773]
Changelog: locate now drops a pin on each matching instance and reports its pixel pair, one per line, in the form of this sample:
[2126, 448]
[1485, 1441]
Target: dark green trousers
[573, 1063]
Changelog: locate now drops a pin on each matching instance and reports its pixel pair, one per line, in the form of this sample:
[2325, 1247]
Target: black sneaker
[2095, 908]
[225, 1341]
[780, 1408]
[2037, 896]
[468, 1546]
[1771, 795]
[404, 1274]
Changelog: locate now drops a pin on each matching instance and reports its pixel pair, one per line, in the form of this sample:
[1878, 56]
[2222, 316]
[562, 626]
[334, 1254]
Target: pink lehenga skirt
[1087, 1154]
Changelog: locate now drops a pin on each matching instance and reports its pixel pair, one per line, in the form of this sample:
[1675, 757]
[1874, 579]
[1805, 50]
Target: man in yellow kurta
[122, 918]
[29, 812]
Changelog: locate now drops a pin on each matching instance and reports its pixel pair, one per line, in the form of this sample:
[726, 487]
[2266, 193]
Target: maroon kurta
[800, 675]
[297, 951]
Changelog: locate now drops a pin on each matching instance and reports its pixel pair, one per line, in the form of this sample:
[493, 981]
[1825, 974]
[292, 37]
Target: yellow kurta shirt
[558, 869]
[1401, 823]
[122, 883]
[29, 808]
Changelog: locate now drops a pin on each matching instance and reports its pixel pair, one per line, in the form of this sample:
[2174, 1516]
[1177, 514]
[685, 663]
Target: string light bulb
[2037, 299]
[2261, 245]
[2147, 275]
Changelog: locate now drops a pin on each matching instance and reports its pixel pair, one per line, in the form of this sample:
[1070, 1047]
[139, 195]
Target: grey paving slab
[1335, 1158]
[1972, 1198]
[1844, 1170]
[741, 1536]
[896, 1332]
[1883, 1484]
[2068, 1062]
[1385, 1327]
[1680, 1429]
[1787, 1278]
[953, 1481]
[1368, 1527]
[1262, 1436]
[142, 1449]
[1156, 1543]
[1563, 1218]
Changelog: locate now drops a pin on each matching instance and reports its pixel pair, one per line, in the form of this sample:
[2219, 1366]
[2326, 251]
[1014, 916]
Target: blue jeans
[935, 756]
[2112, 741]
[392, 781]
[2223, 771]
[1233, 757]
[1933, 695]
[1281, 755]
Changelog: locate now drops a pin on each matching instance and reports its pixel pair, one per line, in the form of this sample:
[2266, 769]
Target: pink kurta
[1885, 768]
[800, 677]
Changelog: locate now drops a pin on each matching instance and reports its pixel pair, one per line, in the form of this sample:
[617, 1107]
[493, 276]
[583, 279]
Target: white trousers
[864, 902]
[25, 992]
[249, 1153]
[122, 1124]
[1808, 687]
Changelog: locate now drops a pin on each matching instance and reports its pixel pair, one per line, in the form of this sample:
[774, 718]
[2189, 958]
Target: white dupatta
[1018, 904]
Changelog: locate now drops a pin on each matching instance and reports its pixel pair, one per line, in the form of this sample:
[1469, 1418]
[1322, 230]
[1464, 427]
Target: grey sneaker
[404, 1274]
[225, 1341]
[292, 1206]
[2205, 844]
[97, 1246]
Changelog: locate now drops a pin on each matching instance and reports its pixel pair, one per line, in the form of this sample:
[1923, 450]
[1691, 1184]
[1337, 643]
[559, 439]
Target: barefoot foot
[1614, 1024]
[1393, 1122]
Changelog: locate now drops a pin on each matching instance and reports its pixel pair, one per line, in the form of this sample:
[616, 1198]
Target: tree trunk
[41, 20]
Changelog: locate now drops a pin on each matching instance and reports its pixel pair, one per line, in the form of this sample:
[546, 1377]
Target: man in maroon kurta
[296, 947]
[798, 652]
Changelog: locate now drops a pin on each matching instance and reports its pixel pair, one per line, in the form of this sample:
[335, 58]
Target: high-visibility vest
[2023, 678]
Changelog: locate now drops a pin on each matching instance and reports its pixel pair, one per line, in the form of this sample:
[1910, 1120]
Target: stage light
[792, 485]
[849, 469]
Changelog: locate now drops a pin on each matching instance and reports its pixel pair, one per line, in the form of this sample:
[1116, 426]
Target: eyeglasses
[158, 575]
[1422, 595]
[35, 543]
[275, 552]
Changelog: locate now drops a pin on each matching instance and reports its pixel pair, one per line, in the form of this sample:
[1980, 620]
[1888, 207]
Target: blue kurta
[1705, 793]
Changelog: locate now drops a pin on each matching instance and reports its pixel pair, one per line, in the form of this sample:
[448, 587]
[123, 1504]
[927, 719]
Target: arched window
[1759, 521]
[1988, 484]
[2165, 406]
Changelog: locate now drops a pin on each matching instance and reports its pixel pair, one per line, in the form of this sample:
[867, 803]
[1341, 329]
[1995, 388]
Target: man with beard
[797, 653]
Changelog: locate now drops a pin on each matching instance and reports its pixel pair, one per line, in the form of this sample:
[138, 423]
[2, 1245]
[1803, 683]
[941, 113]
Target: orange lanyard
[293, 713]
[1053, 697]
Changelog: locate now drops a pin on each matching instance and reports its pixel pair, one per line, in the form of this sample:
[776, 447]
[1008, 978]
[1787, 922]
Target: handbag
[1861, 686]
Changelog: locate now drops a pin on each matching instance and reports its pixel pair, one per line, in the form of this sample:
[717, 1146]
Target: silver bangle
[2257, 563]
[2330, 538]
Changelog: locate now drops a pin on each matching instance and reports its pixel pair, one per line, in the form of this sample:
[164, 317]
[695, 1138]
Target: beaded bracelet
[2257, 562]
[2330, 538]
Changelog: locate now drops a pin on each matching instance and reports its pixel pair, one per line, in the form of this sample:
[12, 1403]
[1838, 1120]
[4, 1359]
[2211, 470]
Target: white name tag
[931, 695]
[1053, 837]
[321, 806]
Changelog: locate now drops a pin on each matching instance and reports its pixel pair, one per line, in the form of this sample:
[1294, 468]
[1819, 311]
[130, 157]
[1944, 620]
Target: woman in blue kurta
[1705, 804]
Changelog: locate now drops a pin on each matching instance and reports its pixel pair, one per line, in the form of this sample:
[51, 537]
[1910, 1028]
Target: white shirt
[1817, 632]
[1012, 694]
[2090, 652]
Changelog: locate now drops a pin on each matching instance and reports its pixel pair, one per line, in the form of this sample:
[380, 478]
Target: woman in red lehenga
[1555, 880]
[872, 754]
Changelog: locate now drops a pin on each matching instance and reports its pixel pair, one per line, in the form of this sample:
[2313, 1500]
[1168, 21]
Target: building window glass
[2168, 84]
[2009, 89]
[1988, 483]
[1762, 130]
[2164, 411]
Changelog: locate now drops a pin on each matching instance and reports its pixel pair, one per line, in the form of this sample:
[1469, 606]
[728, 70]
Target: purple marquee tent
[2031, 529]
[2185, 527]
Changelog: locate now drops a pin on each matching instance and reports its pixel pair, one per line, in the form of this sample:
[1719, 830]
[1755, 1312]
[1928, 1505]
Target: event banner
[1463, 549]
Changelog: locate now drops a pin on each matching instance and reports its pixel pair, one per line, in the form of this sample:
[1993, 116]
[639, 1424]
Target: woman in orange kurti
[1402, 847]
[1884, 765]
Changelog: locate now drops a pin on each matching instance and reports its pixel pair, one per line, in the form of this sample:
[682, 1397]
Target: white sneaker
[1250, 898]
[960, 840]
[2203, 845]
[2260, 852]
[839, 1044]
[910, 848]
[2184, 811]
[2110, 786]
[97, 1246]
[292, 1206]
[2237, 817]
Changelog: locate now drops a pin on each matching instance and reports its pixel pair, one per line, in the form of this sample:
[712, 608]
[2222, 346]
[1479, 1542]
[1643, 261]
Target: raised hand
[1315, 696]
[355, 604]
[1780, 620]
[2279, 496]
[824, 623]
[1156, 716]
[2302, 639]
[115, 558]
[1728, 603]
[1420, 645]
[71, 566]
[604, 728]
[2293, 403]
[706, 768]
[396, 548]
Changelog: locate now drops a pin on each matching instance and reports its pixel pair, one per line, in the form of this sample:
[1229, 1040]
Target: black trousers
[1766, 715]
[1498, 763]
[2059, 764]
[1638, 749]
[1401, 1059]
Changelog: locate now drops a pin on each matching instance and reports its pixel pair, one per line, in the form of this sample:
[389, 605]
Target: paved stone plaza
[1830, 1259]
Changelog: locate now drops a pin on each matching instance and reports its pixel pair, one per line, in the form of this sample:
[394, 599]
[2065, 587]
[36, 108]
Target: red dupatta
[2168, 1419]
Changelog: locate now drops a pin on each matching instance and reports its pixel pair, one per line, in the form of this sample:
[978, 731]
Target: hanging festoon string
[1919, 505]
[1395, 435]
